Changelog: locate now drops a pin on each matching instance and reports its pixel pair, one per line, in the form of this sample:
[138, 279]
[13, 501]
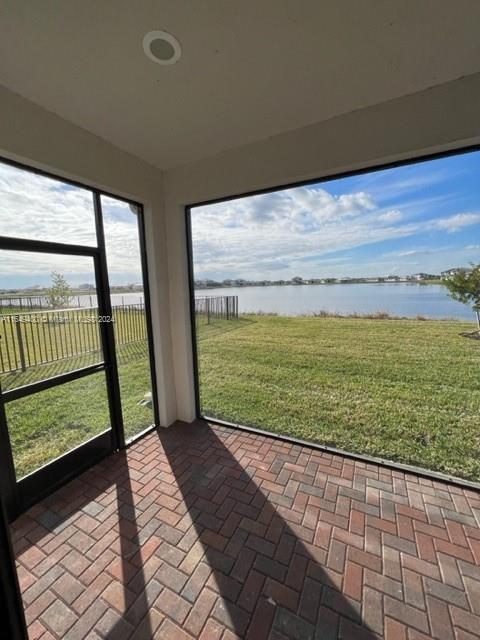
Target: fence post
[21, 350]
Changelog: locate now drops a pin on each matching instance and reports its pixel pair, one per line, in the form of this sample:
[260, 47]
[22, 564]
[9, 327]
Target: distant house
[452, 272]
[423, 276]
[392, 279]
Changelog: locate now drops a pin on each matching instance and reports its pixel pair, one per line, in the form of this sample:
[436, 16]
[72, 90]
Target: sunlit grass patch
[406, 390]
[47, 424]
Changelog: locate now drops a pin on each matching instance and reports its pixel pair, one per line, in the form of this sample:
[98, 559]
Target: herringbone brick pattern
[210, 533]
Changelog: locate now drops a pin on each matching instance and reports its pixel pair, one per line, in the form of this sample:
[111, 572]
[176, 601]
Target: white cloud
[420, 251]
[304, 208]
[457, 222]
[292, 232]
[39, 208]
[391, 216]
[298, 226]
[413, 252]
[300, 232]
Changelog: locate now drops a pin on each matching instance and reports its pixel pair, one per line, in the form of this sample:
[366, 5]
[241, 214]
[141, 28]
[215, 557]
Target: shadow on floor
[255, 551]
[270, 579]
[105, 493]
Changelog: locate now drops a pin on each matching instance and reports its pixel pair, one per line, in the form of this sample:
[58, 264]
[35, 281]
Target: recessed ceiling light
[161, 47]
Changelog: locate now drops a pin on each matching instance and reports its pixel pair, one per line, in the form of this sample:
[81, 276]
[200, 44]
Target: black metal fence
[32, 303]
[223, 307]
[31, 339]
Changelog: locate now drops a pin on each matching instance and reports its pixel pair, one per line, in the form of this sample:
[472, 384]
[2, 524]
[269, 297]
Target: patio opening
[76, 366]
[355, 312]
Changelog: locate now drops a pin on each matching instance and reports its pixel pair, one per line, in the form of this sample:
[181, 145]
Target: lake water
[429, 300]
[117, 299]
[84, 300]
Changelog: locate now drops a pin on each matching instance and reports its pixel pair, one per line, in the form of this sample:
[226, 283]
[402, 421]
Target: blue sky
[420, 217]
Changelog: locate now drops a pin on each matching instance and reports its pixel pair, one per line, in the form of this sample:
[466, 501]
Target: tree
[59, 294]
[464, 286]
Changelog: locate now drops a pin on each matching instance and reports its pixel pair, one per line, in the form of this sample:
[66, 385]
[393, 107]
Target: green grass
[45, 425]
[406, 390]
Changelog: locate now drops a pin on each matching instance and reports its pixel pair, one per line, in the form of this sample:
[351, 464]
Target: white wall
[440, 118]
[39, 138]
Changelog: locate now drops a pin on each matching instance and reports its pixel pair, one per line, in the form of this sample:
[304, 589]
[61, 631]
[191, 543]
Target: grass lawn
[50, 423]
[406, 390]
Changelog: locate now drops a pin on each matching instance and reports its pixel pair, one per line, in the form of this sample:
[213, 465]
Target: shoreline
[375, 315]
[421, 283]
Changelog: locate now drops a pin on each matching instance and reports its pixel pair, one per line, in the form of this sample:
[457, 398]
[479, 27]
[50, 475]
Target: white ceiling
[250, 68]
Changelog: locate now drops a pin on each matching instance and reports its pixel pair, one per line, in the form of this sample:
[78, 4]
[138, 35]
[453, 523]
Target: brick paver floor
[207, 532]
